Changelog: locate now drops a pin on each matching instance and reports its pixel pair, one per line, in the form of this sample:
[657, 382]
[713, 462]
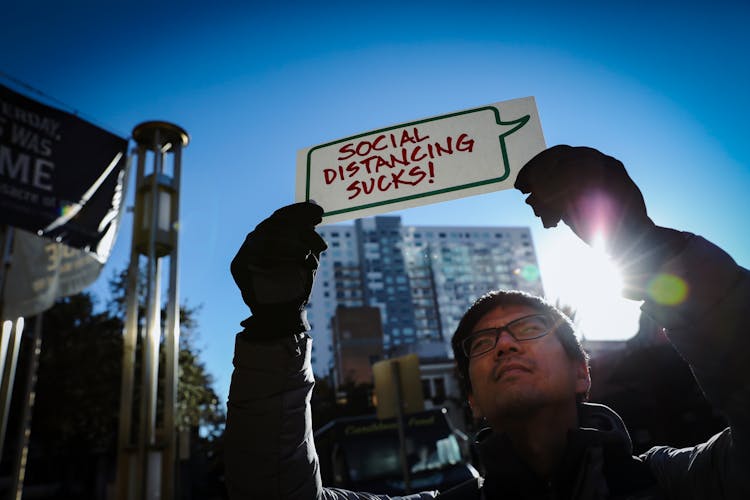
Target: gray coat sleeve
[269, 448]
[705, 316]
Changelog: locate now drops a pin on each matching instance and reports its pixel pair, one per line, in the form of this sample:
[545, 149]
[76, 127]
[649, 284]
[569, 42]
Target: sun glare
[586, 279]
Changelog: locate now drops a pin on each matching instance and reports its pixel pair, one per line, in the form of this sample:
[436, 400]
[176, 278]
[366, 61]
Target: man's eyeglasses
[526, 328]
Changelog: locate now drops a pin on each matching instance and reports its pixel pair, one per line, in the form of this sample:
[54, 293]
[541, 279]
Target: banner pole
[7, 246]
[8, 343]
[12, 331]
[19, 470]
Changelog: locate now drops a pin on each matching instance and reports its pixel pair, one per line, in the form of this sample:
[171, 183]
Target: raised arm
[689, 286]
[269, 447]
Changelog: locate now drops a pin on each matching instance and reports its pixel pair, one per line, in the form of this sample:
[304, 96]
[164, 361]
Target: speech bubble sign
[425, 161]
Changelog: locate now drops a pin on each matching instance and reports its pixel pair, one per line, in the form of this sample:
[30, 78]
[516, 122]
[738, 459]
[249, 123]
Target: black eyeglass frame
[466, 343]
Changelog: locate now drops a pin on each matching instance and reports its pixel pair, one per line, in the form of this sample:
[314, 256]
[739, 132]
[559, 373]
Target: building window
[426, 388]
[439, 396]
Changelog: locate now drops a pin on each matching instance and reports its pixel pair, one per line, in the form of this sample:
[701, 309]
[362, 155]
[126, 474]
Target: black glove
[593, 194]
[275, 268]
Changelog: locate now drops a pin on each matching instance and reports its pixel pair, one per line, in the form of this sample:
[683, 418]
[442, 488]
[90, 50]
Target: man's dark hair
[563, 327]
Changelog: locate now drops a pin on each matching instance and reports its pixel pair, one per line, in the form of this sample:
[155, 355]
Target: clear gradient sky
[662, 87]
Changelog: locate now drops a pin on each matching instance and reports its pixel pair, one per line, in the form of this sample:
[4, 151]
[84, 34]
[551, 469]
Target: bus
[362, 453]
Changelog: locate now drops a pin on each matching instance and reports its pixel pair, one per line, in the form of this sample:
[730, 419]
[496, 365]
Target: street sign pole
[401, 430]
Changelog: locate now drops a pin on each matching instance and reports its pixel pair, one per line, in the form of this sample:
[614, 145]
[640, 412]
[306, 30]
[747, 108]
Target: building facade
[421, 278]
[357, 343]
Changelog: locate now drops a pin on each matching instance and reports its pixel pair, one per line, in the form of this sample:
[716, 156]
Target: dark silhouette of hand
[589, 191]
[275, 268]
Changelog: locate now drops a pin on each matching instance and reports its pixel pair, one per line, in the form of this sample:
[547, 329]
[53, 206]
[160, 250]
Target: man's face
[517, 378]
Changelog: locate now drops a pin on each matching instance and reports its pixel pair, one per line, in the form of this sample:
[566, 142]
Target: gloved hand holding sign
[594, 195]
[275, 268]
[591, 192]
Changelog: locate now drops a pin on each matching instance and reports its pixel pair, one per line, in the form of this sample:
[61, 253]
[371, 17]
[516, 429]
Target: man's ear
[583, 378]
[475, 410]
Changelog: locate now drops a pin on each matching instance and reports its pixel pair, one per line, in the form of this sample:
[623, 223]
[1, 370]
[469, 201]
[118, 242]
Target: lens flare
[65, 208]
[586, 278]
[668, 289]
[529, 272]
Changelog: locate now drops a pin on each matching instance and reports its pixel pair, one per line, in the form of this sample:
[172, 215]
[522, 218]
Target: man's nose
[506, 343]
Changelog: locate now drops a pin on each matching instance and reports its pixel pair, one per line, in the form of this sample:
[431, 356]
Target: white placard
[425, 161]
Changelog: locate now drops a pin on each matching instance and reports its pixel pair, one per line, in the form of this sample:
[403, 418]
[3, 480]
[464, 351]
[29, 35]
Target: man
[524, 371]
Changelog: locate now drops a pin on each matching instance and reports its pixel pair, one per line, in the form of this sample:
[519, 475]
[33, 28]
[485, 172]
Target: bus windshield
[376, 456]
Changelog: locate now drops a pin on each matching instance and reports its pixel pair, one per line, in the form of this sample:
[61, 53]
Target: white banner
[421, 162]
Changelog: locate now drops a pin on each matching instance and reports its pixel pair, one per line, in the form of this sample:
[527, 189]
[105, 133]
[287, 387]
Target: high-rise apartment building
[422, 278]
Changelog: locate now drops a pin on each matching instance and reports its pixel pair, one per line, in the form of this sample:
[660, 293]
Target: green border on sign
[520, 122]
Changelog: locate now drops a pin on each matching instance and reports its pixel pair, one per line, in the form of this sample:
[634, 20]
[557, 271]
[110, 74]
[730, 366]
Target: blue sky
[663, 88]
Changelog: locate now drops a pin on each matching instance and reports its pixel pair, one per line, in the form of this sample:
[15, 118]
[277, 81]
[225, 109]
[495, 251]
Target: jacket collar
[601, 436]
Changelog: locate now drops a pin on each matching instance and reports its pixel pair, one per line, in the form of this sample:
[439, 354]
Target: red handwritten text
[390, 161]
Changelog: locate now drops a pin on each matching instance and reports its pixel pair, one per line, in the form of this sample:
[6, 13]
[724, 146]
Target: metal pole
[147, 451]
[151, 359]
[125, 447]
[29, 397]
[6, 351]
[172, 347]
[9, 373]
[8, 348]
[6, 243]
[401, 430]
[5, 334]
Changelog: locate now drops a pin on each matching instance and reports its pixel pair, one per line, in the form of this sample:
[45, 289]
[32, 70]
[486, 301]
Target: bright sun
[586, 279]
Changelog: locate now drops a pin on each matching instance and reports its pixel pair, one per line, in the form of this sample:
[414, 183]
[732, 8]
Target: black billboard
[61, 177]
